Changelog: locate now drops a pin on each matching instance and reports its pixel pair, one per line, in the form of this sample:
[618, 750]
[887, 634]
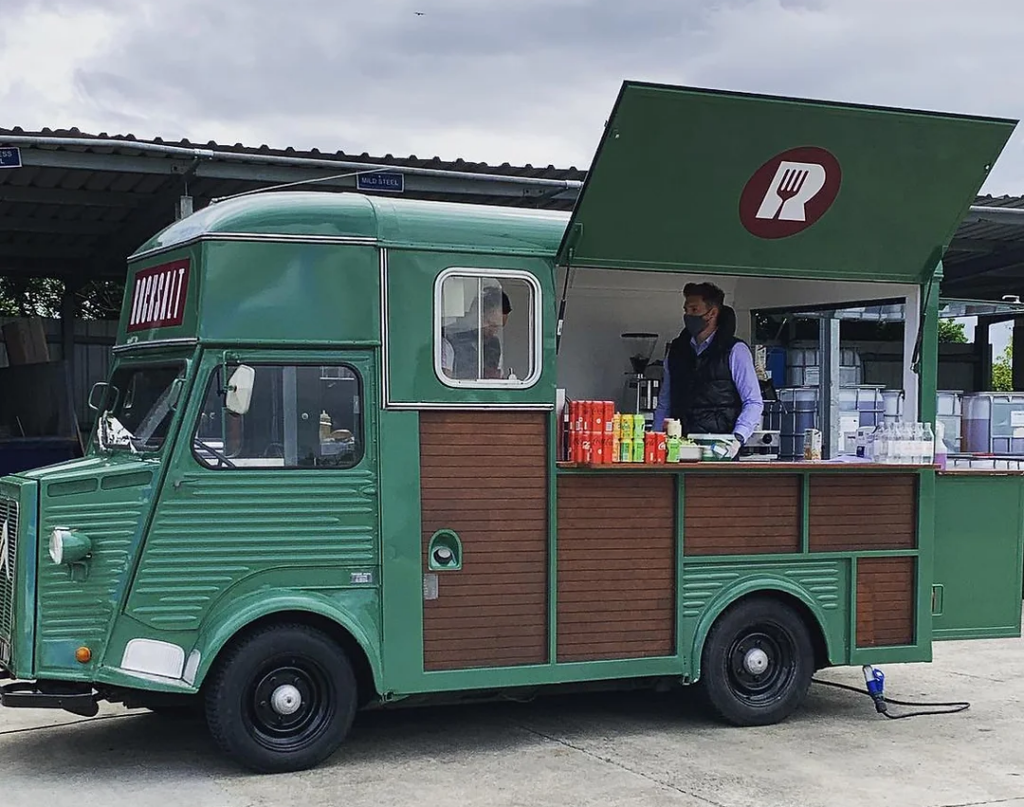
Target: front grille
[8, 556]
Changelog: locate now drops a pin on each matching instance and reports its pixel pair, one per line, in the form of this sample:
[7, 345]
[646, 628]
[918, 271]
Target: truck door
[281, 494]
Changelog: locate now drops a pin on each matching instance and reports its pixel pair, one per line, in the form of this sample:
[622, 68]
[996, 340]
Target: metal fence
[93, 340]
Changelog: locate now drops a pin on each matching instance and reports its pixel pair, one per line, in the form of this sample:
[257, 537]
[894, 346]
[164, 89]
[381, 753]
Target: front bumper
[79, 699]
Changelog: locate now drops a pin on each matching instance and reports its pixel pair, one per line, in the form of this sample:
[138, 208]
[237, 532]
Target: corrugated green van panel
[287, 293]
[694, 179]
[979, 536]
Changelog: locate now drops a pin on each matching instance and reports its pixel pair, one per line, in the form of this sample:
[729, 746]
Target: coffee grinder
[641, 388]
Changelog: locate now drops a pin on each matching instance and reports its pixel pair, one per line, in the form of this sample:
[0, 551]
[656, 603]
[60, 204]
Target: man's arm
[661, 412]
[741, 363]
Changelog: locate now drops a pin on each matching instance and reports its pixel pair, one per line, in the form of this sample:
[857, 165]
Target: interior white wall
[603, 304]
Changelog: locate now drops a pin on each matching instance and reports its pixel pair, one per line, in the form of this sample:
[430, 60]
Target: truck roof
[390, 222]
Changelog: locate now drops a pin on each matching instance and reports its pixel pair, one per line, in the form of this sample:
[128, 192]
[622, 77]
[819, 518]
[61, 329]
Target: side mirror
[174, 395]
[239, 390]
[97, 394]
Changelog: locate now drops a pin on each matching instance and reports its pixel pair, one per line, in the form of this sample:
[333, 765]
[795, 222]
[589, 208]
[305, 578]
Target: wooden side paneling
[850, 512]
[886, 593]
[741, 514]
[616, 567]
[484, 475]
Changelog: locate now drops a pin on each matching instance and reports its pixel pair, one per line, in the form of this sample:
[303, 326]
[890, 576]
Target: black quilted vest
[702, 393]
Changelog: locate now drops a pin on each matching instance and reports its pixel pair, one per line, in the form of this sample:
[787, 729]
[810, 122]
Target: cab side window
[299, 416]
[486, 328]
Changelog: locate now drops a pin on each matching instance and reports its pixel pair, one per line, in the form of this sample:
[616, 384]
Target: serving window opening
[819, 363]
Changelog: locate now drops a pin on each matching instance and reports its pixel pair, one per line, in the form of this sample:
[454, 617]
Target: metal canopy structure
[79, 203]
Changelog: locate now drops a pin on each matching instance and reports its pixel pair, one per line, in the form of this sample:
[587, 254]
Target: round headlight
[69, 546]
[57, 545]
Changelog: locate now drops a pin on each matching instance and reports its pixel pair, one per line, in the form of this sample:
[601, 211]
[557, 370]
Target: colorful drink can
[616, 425]
[638, 449]
[672, 449]
[616, 445]
[609, 416]
[626, 426]
[639, 426]
[650, 448]
[625, 449]
[597, 447]
[597, 413]
[661, 440]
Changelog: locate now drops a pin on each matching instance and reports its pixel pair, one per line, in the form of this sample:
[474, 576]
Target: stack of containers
[994, 423]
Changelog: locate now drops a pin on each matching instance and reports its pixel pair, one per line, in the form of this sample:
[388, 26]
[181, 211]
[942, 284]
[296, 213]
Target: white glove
[728, 448]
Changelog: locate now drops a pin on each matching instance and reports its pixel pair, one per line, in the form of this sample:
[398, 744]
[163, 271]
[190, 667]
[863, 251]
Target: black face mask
[694, 324]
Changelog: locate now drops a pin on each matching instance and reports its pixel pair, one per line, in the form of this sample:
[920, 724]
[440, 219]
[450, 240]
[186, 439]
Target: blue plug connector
[875, 681]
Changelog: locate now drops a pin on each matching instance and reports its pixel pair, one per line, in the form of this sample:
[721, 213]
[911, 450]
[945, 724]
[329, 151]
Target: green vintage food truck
[301, 499]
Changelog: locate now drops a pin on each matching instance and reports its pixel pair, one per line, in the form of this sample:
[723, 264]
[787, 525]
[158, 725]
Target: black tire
[744, 687]
[240, 709]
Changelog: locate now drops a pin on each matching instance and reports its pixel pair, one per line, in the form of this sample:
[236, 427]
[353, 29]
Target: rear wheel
[757, 663]
[282, 699]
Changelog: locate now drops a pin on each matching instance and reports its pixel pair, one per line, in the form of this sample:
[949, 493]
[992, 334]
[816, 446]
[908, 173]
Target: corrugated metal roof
[78, 210]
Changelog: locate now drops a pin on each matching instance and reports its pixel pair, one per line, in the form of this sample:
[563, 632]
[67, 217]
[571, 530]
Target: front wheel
[757, 663]
[283, 699]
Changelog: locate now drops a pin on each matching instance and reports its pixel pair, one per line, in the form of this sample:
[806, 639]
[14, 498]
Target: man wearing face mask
[709, 382]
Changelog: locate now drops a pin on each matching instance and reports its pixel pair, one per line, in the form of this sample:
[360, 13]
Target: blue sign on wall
[10, 157]
[393, 183]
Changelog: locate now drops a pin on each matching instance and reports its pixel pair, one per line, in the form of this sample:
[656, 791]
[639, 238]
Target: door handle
[369, 490]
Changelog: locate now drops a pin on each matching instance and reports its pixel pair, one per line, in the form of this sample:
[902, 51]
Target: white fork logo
[794, 185]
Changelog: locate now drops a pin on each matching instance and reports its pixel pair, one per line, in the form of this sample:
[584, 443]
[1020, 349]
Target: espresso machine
[642, 381]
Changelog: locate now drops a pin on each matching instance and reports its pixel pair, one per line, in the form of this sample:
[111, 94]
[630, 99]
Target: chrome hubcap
[755, 661]
[286, 700]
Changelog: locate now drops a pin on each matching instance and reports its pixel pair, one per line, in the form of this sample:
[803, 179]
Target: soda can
[639, 426]
[609, 416]
[672, 449]
[597, 413]
[616, 444]
[650, 448]
[597, 447]
[625, 449]
[617, 425]
[626, 426]
[638, 449]
[662, 447]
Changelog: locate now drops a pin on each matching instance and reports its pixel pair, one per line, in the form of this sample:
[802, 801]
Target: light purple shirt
[741, 364]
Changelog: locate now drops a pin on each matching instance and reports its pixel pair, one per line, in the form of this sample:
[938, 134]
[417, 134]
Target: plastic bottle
[879, 443]
[939, 445]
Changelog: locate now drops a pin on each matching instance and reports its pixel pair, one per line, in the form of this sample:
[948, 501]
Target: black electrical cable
[955, 706]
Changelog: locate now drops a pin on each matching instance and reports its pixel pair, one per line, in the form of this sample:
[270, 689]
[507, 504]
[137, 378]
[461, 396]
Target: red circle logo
[790, 192]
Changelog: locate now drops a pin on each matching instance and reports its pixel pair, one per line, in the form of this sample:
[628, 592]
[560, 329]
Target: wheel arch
[260, 610]
[804, 605]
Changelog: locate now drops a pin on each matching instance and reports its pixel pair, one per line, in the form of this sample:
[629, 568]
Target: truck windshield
[137, 407]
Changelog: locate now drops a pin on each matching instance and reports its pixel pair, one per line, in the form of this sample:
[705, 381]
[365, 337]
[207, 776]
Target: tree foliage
[952, 331]
[1002, 371]
[41, 297]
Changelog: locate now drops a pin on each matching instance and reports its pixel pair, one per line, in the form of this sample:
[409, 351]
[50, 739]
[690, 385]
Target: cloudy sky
[522, 81]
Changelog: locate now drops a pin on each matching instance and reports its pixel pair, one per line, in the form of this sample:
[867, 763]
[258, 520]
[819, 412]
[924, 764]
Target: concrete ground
[633, 749]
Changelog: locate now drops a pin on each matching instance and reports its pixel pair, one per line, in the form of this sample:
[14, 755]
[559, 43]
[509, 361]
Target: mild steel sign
[390, 182]
[790, 192]
[10, 157]
[159, 297]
